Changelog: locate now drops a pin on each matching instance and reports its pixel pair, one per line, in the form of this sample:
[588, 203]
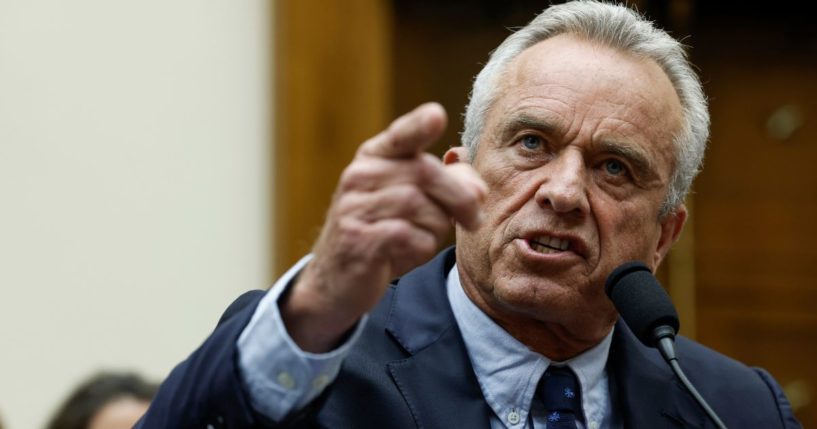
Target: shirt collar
[507, 370]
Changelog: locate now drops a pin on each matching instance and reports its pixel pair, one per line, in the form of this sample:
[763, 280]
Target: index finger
[409, 134]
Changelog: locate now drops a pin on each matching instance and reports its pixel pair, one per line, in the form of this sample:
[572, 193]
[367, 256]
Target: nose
[564, 187]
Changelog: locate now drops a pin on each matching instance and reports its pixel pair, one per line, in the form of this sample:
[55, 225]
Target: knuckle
[409, 198]
[374, 145]
[428, 168]
[349, 176]
[345, 203]
[356, 176]
[400, 232]
[349, 231]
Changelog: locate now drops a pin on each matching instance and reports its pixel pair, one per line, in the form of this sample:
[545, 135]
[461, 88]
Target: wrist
[314, 322]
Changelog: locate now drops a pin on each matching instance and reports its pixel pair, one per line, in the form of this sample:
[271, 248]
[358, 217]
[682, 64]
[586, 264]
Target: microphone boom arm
[666, 345]
[648, 311]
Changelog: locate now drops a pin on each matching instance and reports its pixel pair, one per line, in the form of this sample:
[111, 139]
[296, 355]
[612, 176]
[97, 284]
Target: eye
[614, 167]
[531, 142]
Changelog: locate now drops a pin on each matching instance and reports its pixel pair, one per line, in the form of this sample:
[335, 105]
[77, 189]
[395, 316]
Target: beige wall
[134, 185]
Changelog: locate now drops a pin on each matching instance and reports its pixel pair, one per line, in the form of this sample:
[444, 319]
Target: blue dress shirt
[508, 371]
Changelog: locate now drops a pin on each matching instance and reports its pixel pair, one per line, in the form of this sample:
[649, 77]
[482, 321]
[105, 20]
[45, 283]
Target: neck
[552, 340]
[558, 340]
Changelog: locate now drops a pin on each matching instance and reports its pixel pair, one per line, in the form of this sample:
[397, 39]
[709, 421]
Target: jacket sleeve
[783, 404]
[205, 390]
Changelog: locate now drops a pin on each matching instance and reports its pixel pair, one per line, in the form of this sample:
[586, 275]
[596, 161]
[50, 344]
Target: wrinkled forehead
[583, 80]
[595, 70]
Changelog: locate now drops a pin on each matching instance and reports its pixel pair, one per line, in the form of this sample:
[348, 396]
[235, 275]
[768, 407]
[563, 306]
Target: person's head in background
[105, 401]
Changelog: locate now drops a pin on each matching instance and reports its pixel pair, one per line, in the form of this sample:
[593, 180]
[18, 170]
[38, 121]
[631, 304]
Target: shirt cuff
[280, 377]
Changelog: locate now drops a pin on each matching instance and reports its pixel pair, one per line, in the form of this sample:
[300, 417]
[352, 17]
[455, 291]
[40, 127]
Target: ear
[671, 227]
[455, 154]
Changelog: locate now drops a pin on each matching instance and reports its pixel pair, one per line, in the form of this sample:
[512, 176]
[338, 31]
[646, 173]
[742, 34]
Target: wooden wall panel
[756, 206]
[333, 91]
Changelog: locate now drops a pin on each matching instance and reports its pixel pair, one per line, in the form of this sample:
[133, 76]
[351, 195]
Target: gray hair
[618, 27]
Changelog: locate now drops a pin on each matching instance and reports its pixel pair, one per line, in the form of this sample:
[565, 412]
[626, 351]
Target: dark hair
[92, 395]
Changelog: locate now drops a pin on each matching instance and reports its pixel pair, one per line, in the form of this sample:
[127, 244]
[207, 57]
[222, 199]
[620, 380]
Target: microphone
[648, 311]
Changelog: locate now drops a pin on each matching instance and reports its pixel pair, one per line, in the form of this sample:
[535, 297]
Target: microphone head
[642, 302]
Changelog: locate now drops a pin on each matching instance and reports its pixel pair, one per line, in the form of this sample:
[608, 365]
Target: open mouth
[546, 244]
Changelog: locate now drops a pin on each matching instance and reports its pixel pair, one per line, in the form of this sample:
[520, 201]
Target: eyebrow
[525, 121]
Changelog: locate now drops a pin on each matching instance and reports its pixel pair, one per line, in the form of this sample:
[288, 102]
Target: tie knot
[560, 393]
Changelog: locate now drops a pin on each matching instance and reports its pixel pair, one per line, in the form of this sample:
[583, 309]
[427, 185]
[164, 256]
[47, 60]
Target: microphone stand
[648, 311]
[665, 343]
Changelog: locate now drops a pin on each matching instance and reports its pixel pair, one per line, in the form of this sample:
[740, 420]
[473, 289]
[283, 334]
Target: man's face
[577, 153]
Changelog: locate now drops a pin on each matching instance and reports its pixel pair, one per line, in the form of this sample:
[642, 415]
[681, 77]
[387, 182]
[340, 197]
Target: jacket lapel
[644, 389]
[436, 380]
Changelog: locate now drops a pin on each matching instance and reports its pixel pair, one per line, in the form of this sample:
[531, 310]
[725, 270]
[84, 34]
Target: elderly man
[582, 136]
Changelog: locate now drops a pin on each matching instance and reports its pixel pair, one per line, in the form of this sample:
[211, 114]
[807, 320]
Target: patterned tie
[560, 392]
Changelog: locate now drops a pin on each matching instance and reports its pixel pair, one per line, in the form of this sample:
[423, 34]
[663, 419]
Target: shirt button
[320, 382]
[286, 381]
[513, 417]
[594, 425]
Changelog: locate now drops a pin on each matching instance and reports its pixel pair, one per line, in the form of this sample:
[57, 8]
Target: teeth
[541, 249]
[546, 244]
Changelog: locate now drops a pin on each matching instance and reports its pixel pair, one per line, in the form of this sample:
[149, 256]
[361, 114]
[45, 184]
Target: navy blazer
[410, 370]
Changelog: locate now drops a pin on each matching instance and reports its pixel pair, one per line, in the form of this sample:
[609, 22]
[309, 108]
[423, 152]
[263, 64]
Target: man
[582, 136]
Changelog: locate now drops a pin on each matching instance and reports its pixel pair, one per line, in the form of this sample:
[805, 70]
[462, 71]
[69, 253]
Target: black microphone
[648, 311]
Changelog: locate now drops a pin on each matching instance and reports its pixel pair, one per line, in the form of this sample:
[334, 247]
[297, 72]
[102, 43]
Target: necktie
[560, 393]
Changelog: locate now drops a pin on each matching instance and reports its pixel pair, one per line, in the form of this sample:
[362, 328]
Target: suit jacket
[410, 370]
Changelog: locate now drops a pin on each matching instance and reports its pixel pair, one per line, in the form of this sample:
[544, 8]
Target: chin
[551, 301]
[534, 296]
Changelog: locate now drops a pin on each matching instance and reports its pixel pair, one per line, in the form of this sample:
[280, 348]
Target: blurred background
[159, 158]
